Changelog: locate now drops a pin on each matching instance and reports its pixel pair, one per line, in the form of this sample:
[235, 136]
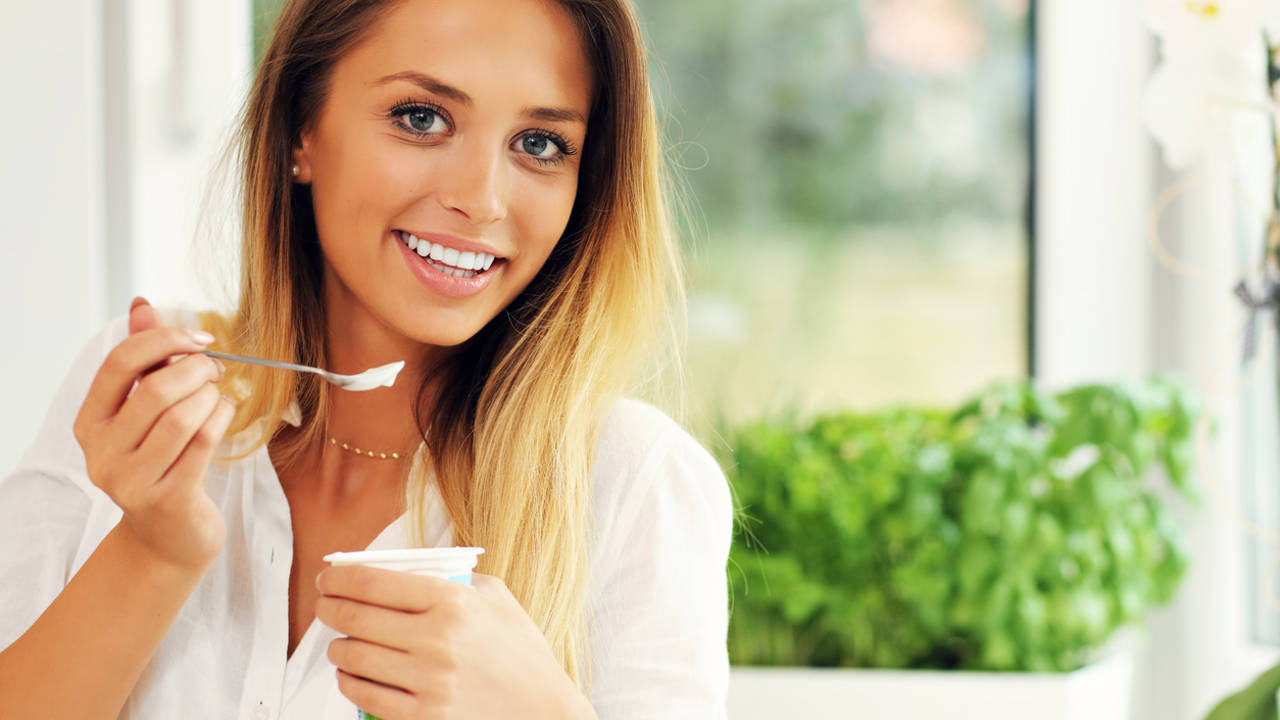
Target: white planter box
[1101, 691]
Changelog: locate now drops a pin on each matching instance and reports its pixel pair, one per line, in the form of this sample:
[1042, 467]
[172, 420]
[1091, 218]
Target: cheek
[358, 187]
[544, 213]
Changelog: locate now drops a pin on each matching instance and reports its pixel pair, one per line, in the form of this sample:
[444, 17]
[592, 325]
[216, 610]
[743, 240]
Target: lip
[440, 283]
[450, 241]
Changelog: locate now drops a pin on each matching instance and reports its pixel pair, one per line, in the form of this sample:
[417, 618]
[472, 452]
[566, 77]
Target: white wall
[116, 110]
[189, 62]
[52, 277]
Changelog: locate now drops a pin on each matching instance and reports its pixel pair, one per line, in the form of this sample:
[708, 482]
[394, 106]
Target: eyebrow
[439, 87]
[555, 114]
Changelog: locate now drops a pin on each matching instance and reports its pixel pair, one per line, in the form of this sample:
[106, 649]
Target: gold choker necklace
[364, 453]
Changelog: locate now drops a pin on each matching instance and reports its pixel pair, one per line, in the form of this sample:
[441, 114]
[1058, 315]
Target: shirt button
[261, 712]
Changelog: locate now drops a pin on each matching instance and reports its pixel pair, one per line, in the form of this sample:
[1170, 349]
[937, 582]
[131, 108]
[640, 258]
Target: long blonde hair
[513, 430]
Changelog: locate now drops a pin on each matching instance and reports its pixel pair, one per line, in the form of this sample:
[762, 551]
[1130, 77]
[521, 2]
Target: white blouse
[657, 598]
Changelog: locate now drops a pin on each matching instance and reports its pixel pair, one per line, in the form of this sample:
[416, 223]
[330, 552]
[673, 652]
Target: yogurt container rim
[441, 554]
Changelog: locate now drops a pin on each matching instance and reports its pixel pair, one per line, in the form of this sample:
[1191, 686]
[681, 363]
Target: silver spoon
[381, 376]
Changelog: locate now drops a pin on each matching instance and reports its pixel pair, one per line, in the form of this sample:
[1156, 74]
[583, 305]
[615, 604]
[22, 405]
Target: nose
[476, 185]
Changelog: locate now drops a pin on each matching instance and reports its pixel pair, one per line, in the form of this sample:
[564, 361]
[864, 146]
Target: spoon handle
[268, 363]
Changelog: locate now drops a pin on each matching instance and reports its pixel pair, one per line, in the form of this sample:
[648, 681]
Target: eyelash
[404, 107]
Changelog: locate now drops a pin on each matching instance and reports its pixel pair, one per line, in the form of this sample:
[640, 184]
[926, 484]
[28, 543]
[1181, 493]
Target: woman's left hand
[422, 647]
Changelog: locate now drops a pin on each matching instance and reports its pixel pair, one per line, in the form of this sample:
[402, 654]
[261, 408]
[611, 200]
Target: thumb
[142, 316]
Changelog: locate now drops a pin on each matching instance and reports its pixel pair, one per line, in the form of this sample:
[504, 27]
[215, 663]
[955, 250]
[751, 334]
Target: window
[859, 174]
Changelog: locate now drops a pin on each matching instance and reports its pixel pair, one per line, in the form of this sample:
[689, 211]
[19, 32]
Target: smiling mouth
[447, 260]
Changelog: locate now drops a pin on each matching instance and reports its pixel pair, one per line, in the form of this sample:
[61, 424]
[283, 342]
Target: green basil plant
[1017, 533]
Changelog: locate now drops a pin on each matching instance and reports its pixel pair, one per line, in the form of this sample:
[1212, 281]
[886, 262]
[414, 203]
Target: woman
[472, 188]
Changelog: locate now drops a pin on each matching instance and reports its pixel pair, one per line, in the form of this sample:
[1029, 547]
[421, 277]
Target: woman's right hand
[147, 446]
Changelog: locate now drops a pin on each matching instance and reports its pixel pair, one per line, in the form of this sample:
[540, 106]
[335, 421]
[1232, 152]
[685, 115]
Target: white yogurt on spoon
[381, 376]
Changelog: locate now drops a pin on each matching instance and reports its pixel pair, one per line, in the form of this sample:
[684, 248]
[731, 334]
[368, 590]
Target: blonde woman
[473, 188]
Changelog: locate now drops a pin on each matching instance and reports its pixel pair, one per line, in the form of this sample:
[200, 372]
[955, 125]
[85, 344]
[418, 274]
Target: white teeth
[448, 260]
[454, 272]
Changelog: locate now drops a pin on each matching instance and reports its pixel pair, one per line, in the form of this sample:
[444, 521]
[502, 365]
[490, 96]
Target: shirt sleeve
[51, 515]
[659, 616]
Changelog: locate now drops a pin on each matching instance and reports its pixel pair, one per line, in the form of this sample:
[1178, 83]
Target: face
[444, 162]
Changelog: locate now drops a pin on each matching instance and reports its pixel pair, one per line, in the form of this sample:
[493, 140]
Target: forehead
[516, 52]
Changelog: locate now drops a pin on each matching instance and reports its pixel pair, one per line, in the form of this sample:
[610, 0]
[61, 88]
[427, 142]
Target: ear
[302, 160]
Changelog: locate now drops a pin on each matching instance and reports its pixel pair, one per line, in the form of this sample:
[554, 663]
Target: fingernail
[222, 369]
[136, 302]
[201, 337]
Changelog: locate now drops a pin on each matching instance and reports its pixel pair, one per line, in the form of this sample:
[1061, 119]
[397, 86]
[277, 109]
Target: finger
[128, 360]
[378, 700]
[195, 459]
[384, 665]
[142, 316]
[378, 625]
[173, 431]
[387, 588]
[158, 392]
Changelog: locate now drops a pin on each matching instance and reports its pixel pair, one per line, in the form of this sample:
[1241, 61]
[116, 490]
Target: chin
[437, 326]
[435, 336]
[446, 341]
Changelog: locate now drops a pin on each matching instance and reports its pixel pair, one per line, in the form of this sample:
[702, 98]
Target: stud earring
[295, 170]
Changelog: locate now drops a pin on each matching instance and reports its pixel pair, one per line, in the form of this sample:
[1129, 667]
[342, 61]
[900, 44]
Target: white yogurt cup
[450, 563]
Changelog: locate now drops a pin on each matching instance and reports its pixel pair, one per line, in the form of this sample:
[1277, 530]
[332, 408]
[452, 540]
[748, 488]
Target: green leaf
[1016, 532]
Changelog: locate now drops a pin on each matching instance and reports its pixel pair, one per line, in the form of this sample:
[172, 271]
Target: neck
[381, 419]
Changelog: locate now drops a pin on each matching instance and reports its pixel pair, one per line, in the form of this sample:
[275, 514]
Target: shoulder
[632, 428]
[649, 469]
[637, 438]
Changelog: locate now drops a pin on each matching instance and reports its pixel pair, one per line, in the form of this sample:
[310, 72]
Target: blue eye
[419, 119]
[538, 146]
[422, 120]
[545, 147]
